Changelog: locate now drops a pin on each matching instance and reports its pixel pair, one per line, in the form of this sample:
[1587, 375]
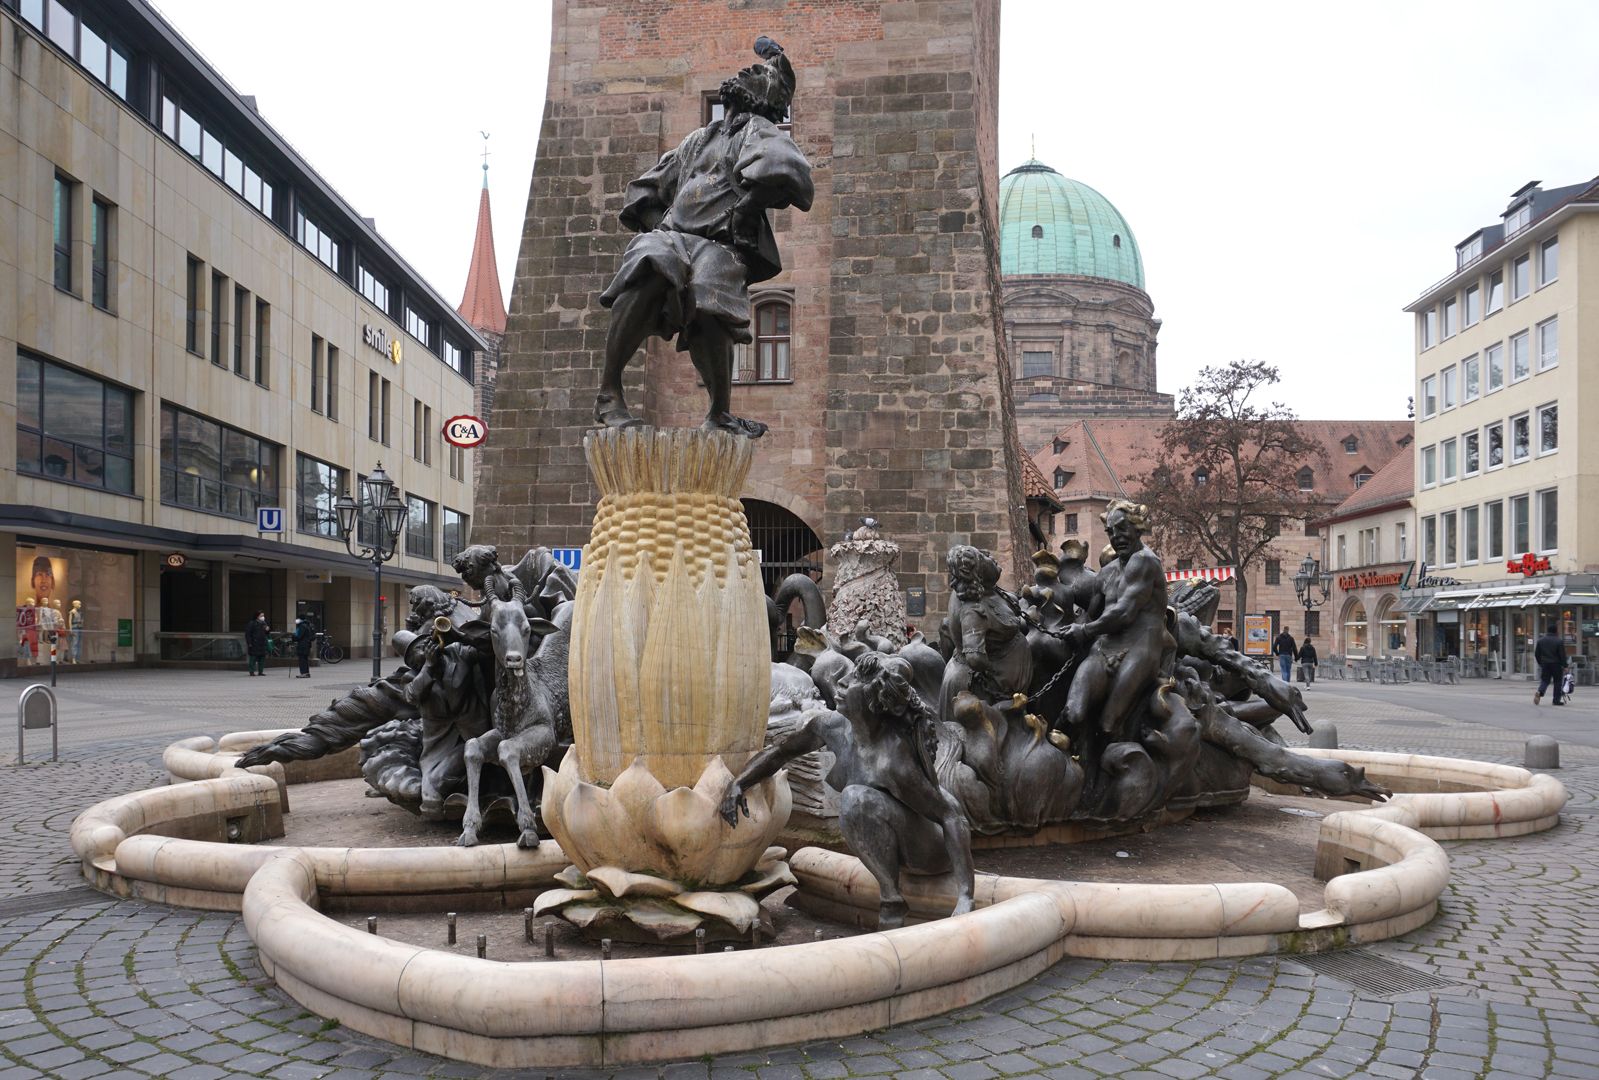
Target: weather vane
[485, 157]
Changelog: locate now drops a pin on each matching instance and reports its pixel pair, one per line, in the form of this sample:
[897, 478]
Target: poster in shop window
[1257, 635]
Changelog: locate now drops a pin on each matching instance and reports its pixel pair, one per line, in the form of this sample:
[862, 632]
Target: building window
[1312, 623]
[1071, 523]
[1038, 232]
[316, 374]
[1450, 379]
[367, 517]
[72, 427]
[1469, 552]
[1451, 538]
[372, 405]
[1061, 476]
[333, 383]
[1429, 466]
[1470, 453]
[454, 356]
[772, 341]
[373, 289]
[1342, 548]
[1201, 476]
[219, 289]
[1496, 292]
[1548, 261]
[1473, 305]
[1362, 476]
[711, 108]
[1451, 318]
[107, 62]
[1520, 524]
[66, 193]
[212, 467]
[1468, 252]
[457, 465]
[1429, 540]
[1496, 444]
[1447, 451]
[241, 313]
[317, 240]
[421, 432]
[1428, 321]
[1429, 397]
[1520, 357]
[1307, 479]
[179, 124]
[1518, 219]
[457, 528]
[1351, 445]
[1548, 344]
[192, 303]
[1495, 357]
[1037, 363]
[1402, 540]
[1493, 533]
[1471, 378]
[418, 327]
[1548, 520]
[320, 485]
[1548, 429]
[385, 413]
[418, 527]
[1520, 438]
[100, 254]
[1274, 572]
[1369, 540]
[263, 343]
[1519, 277]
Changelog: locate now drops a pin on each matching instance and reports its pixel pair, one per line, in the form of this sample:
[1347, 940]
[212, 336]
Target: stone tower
[880, 358]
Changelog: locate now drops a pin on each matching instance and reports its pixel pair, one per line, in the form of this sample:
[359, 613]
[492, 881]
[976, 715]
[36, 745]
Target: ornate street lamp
[1312, 585]
[378, 492]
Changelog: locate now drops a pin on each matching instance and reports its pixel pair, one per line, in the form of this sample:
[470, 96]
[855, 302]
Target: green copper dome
[1051, 225]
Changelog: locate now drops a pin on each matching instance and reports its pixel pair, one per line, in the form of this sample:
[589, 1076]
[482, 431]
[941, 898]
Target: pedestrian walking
[1285, 649]
[303, 636]
[1550, 653]
[1307, 660]
[255, 643]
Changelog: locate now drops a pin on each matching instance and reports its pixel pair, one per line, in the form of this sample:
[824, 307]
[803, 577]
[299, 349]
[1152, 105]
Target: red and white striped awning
[1212, 573]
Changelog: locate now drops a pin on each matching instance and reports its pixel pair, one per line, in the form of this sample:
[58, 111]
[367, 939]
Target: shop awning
[1507, 596]
[1212, 573]
[1413, 604]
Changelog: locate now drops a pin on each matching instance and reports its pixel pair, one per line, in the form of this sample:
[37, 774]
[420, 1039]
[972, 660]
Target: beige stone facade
[162, 385]
[1506, 472]
[1369, 545]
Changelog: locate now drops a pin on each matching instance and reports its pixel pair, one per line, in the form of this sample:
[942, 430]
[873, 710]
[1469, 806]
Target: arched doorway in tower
[787, 545]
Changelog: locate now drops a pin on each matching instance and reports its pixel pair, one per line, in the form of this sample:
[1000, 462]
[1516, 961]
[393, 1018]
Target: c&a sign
[1528, 565]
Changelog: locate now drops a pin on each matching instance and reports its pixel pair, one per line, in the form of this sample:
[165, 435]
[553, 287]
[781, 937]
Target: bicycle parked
[326, 650]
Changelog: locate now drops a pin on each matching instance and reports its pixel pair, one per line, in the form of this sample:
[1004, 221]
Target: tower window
[1116, 240]
[1038, 232]
[767, 359]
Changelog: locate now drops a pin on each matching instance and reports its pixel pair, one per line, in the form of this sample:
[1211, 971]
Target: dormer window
[1351, 444]
[1362, 476]
[1518, 219]
[1201, 477]
[1469, 252]
[1306, 479]
[1038, 232]
[1062, 478]
[1060, 446]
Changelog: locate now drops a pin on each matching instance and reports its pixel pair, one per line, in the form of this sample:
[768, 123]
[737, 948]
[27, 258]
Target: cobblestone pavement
[93, 987]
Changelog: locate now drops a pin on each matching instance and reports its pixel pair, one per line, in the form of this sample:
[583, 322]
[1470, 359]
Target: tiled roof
[483, 305]
[1394, 483]
[1034, 486]
[1100, 455]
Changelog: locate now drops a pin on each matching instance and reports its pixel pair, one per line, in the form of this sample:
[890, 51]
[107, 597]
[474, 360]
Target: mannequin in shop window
[75, 632]
[27, 631]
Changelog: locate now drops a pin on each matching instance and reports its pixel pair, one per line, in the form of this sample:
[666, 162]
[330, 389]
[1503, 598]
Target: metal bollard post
[449, 921]
[482, 946]
[728, 949]
[699, 939]
[527, 924]
[52, 661]
[818, 935]
[605, 948]
[755, 936]
[36, 708]
[549, 939]
[371, 924]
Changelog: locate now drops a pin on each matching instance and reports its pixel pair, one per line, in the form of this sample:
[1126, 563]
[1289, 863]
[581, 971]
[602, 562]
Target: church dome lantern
[1049, 224]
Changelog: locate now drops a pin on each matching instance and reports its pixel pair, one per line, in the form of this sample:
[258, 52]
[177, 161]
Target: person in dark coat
[255, 643]
[1307, 660]
[303, 636]
[1550, 653]
[1285, 649]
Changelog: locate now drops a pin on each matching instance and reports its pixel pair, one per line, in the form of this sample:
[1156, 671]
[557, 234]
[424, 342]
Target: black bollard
[605, 948]
[699, 940]
[482, 946]
[449, 921]
[527, 924]
[371, 924]
[549, 939]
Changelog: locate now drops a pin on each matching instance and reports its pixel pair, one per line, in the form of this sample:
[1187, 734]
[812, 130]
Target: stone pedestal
[670, 683]
[865, 586]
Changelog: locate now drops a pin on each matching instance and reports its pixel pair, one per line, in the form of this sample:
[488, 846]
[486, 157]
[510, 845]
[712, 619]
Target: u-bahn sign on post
[465, 431]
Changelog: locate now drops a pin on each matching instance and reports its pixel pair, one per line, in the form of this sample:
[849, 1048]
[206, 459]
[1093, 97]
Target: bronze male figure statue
[704, 239]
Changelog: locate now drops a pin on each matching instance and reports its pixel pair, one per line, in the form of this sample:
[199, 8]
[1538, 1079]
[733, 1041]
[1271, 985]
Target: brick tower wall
[899, 405]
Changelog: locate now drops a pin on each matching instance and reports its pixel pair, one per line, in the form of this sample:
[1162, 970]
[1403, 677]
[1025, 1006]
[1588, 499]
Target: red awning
[1212, 573]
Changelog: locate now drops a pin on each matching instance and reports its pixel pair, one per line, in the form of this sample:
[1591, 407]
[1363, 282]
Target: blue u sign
[571, 558]
[269, 519]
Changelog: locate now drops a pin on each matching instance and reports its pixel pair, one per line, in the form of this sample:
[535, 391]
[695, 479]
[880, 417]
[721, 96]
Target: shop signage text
[1424, 580]
[1369, 580]
[378, 338]
[1528, 565]
[465, 431]
[177, 560]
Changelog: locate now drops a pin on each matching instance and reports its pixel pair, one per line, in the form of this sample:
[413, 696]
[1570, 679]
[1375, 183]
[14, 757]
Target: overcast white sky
[1294, 173]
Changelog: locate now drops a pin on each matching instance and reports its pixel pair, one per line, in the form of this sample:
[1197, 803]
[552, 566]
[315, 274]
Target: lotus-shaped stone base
[655, 865]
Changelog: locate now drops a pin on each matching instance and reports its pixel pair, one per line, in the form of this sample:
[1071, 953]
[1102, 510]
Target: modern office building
[195, 326]
[1505, 499]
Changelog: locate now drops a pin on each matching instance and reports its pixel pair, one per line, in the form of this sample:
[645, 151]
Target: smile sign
[465, 431]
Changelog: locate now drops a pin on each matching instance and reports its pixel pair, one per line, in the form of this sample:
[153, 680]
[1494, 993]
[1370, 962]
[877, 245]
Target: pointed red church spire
[483, 306]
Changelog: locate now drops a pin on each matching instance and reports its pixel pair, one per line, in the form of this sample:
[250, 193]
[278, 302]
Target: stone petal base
[612, 903]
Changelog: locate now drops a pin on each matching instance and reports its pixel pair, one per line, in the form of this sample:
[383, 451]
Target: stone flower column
[865, 586]
[670, 683]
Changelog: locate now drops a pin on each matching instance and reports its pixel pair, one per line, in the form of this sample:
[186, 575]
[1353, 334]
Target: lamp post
[379, 493]
[1311, 581]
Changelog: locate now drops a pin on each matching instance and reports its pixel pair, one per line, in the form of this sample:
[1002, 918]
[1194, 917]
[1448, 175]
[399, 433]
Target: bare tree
[1224, 482]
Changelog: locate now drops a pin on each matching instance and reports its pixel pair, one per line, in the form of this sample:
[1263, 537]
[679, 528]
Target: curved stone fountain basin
[171, 844]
